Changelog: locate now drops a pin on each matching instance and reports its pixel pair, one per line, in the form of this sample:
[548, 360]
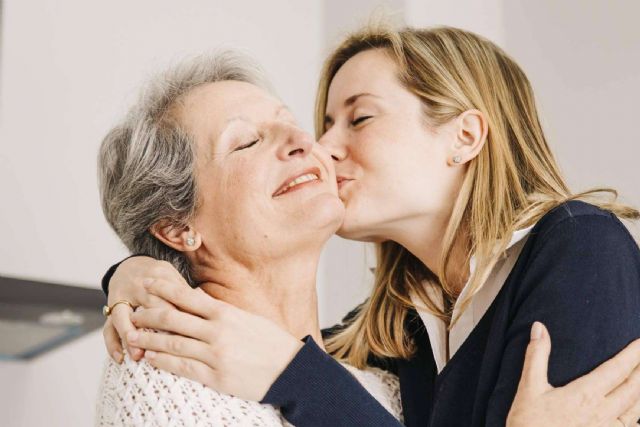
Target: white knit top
[137, 394]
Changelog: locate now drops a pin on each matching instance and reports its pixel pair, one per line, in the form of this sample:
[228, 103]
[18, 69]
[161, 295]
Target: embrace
[428, 144]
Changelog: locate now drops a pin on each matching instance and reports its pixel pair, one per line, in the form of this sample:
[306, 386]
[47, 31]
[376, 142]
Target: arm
[311, 360]
[245, 355]
[583, 281]
[605, 397]
[315, 390]
[323, 382]
[126, 281]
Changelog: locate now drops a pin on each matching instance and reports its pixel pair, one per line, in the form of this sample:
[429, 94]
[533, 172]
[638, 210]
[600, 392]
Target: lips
[342, 180]
[300, 178]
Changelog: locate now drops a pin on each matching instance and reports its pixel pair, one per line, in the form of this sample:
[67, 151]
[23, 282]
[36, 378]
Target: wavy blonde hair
[511, 184]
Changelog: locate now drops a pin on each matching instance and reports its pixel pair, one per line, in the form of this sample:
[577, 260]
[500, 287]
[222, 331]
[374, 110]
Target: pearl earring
[191, 241]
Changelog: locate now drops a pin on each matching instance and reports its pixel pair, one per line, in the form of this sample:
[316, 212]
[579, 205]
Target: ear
[471, 129]
[177, 237]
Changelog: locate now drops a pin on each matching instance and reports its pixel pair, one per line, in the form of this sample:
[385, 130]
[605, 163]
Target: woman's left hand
[213, 343]
[609, 396]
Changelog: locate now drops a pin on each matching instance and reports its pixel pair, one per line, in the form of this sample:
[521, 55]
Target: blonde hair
[511, 184]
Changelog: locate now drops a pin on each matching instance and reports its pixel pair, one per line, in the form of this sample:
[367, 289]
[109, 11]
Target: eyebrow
[282, 108]
[353, 98]
[348, 102]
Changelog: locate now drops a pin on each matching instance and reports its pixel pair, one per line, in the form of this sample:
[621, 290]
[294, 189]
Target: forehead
[368, 71]
[207, 108]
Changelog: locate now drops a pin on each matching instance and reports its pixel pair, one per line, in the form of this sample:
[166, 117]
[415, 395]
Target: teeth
[300, 180]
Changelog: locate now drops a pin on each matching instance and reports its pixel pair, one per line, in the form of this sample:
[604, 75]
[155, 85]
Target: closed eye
[250, 144]
[359, 120]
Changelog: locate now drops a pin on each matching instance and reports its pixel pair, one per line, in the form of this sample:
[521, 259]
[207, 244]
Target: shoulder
[382, 385]
[572, 212]
[137, 393]
[578, 249]
[577, 223]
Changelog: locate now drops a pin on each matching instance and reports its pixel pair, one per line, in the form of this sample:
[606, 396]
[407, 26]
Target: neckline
[442, 344]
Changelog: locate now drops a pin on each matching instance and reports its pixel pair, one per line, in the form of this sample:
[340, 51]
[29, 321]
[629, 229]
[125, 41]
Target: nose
[331, 142]
[294, 142]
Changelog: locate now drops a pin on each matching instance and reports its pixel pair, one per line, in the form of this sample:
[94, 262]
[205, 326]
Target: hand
[126, 284]
[215, 343]
[608, 396]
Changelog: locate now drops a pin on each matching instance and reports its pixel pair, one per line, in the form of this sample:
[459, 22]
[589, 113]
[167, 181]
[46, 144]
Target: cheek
[407, 172]
[232, 201]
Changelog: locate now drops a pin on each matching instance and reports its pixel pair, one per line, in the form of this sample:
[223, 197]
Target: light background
[68, 69]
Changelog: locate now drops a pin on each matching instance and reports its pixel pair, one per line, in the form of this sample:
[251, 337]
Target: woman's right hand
[126, 284]
[608, 396]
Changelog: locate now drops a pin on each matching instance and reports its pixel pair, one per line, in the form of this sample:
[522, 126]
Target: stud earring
[191, 241]
[457, 159]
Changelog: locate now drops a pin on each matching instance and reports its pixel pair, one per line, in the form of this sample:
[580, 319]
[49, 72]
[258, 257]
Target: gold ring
[106, 310]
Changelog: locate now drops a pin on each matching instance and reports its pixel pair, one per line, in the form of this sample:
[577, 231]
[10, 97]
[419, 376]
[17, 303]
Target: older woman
[210, 172]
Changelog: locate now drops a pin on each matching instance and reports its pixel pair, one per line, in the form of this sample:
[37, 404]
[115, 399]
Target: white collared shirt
[437, 328]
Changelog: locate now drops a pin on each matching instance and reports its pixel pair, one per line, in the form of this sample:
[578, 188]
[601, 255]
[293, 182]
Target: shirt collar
[436, 328]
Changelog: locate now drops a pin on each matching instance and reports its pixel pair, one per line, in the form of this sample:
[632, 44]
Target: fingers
[190, 300]
[534, 372]
[613, 372]
[121, 318]
[152, 301]
[127, 281]
[135, 293]
[176, 345]
[112, 341]
[174, 321]
[183, 367]
[631, 417]
[624, 401]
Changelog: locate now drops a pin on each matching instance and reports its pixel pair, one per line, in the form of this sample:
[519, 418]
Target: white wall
[481, 16]
[57, 390]
[69, 69]
[584, 65]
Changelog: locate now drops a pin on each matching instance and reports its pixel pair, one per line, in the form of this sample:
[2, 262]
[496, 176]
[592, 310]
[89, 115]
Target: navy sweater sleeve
[582, 281]
[315, 390]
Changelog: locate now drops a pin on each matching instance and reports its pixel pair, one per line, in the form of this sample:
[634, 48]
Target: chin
[363, 225]
[323, 211]
[351, 231]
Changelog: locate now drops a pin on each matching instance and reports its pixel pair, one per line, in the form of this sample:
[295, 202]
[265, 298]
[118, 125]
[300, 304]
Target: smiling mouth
[308, 177]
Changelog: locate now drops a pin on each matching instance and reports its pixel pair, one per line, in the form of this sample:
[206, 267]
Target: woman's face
[392, 167]
[265, 186]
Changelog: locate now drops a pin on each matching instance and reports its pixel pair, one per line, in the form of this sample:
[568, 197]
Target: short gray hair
[146, 164]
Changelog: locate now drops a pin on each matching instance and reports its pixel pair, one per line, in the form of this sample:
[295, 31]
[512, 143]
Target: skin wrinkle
[275, 276]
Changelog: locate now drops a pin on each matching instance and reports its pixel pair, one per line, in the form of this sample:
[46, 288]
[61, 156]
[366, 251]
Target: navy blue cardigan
[579, 273]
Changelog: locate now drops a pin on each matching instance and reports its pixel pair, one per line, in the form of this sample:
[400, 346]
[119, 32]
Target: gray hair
[146, 164]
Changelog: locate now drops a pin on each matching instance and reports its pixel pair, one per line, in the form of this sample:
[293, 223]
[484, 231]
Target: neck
[282, 290]
[426, 242]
